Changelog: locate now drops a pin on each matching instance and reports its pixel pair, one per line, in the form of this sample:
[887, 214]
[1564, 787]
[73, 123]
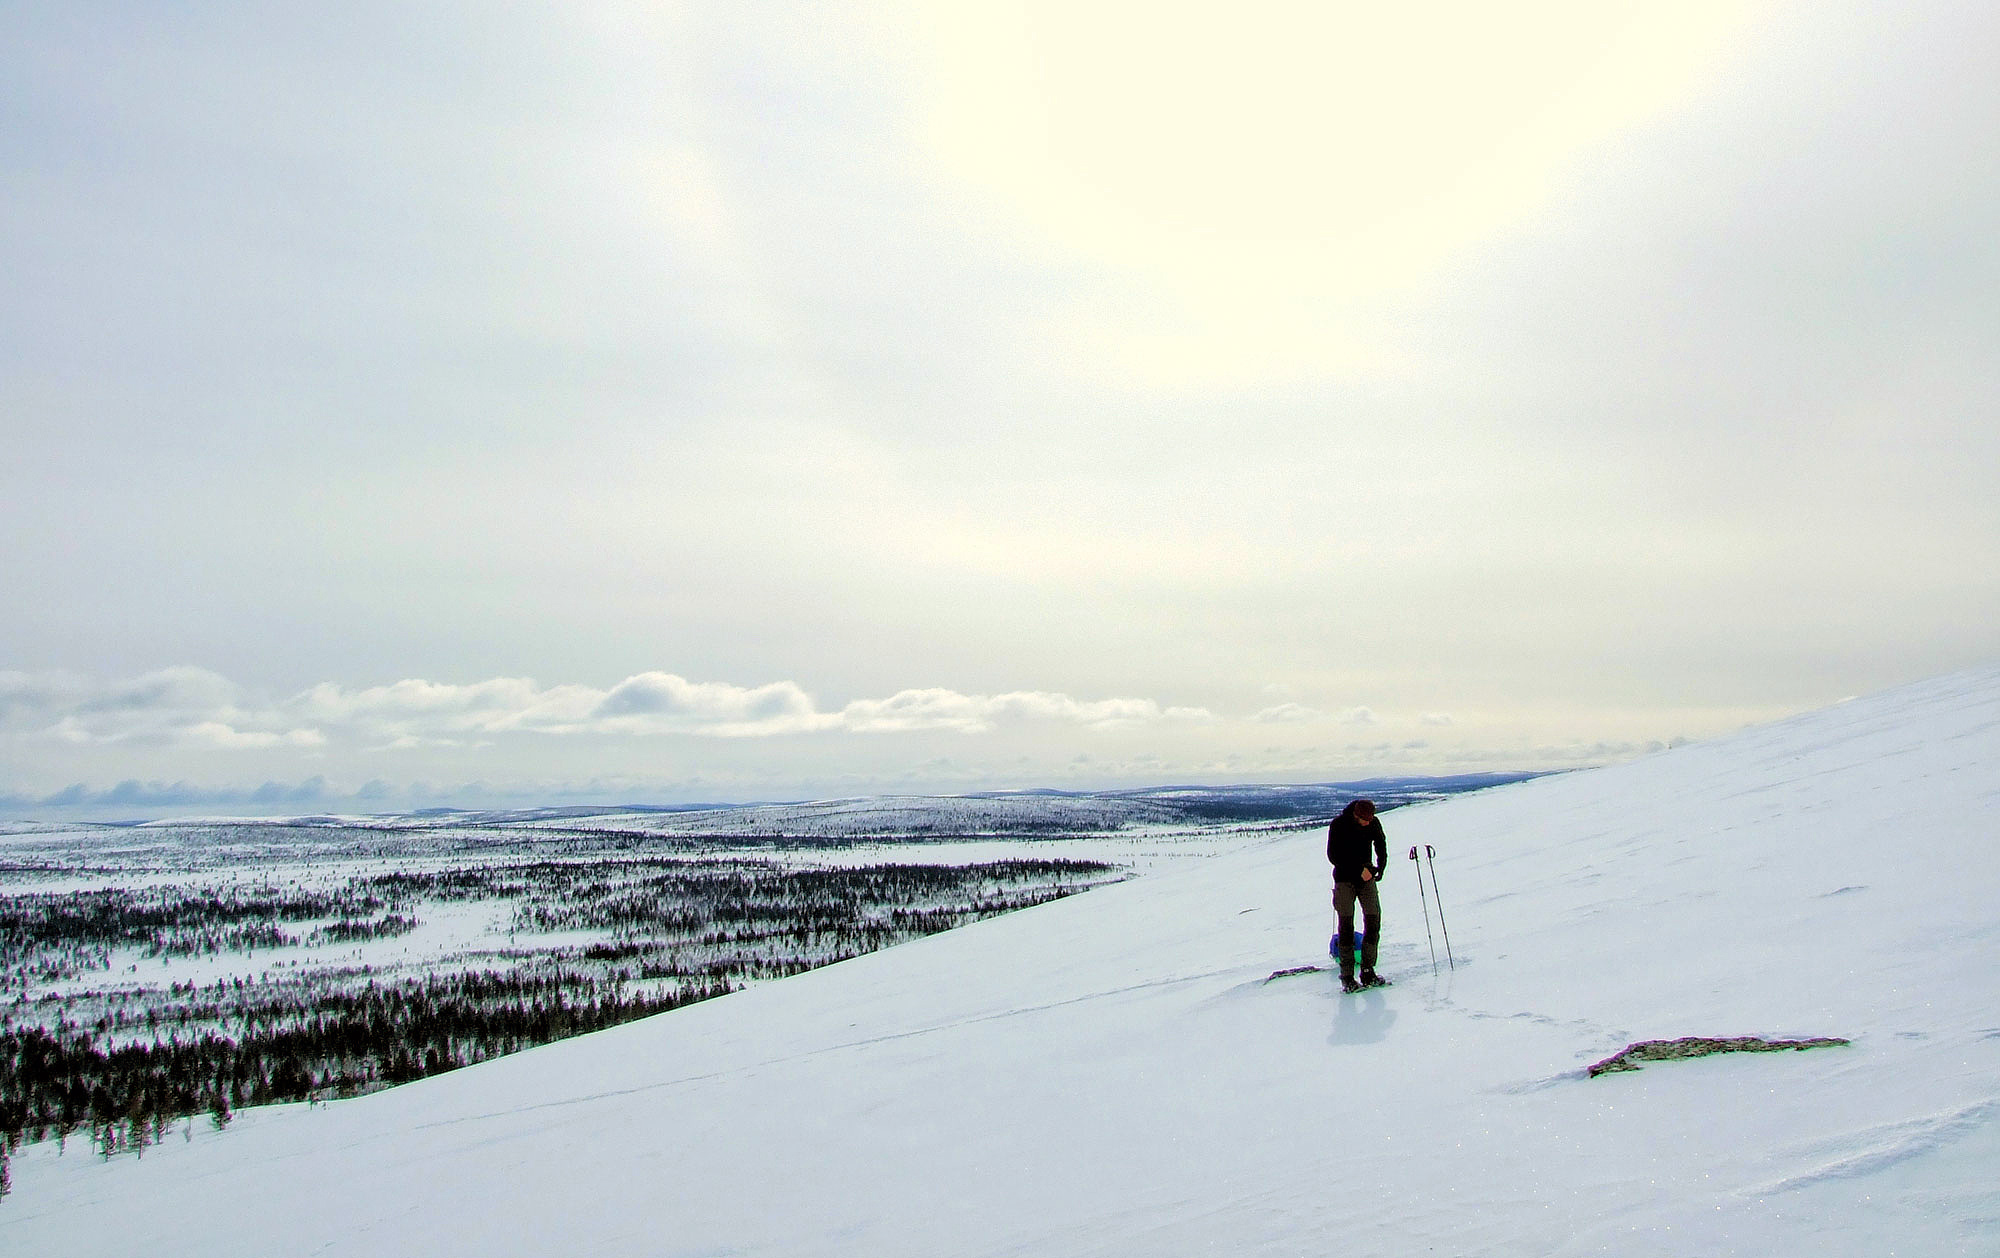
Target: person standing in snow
[1349, 838]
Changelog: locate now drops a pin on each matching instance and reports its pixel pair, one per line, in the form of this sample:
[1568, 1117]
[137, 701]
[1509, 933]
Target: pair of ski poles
[1431, 853]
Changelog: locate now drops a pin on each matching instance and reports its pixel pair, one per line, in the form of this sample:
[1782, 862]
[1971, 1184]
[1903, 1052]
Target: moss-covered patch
[1632, 1056]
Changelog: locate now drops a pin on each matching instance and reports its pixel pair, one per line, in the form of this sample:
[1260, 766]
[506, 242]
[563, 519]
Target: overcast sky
[413, 404]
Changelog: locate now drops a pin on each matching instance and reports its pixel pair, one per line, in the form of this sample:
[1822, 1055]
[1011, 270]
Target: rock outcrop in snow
[1633, 1056]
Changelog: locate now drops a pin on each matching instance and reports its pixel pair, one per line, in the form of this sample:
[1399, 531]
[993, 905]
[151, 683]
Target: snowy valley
[1118, 1073]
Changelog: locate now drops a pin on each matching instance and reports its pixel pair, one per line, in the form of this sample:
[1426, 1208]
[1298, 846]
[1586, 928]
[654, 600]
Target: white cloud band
[194, 707]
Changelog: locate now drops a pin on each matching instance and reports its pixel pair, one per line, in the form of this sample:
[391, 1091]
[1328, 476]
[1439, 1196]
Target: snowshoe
[1370, 978]
[1348, 983]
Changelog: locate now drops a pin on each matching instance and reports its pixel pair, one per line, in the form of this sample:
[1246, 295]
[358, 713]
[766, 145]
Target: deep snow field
[1115, 1073]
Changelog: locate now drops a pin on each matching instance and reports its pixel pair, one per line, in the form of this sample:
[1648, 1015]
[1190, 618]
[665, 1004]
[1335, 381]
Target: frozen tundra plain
[1113, 1073]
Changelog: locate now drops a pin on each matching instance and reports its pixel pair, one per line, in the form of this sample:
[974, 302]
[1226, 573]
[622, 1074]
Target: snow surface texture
[1112, 1074]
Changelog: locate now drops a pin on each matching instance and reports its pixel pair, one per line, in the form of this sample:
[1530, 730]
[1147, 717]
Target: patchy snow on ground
[1115, 1074]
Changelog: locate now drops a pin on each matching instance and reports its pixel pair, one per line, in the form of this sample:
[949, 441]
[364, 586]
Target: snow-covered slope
[1111, 1074]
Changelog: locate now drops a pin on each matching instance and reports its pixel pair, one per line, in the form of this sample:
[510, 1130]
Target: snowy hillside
[1113, 1074]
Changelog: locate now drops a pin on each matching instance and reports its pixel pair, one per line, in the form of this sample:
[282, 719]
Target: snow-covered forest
[160, 973]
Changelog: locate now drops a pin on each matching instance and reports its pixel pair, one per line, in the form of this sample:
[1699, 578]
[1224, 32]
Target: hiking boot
[1348, 983]
[1370, 978]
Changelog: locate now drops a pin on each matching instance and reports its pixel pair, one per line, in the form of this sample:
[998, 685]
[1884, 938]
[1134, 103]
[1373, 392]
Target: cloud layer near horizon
[194, 707]
[202, 741]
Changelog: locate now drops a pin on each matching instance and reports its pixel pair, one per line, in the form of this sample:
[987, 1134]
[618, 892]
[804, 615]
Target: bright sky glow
[1267, 170]
[1013, 395]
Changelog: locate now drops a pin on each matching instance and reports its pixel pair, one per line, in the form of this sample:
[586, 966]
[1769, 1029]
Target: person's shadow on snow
[1362, 1018]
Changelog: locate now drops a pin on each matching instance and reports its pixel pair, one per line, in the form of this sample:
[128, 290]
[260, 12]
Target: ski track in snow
[1876, 1148]
[752, 1067]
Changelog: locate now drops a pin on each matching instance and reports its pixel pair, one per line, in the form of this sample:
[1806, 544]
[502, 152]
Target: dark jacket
[1347, 844]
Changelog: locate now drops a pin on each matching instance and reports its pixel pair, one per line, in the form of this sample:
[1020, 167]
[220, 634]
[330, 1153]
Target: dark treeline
[56, 935]
[355, 929]
[56, 1080]
[699, 898]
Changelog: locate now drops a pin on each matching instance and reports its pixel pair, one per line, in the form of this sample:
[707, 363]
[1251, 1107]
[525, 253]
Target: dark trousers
[1345, 895]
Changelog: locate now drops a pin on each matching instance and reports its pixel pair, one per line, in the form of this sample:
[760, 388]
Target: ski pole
[1427, 911]
[1431, 853]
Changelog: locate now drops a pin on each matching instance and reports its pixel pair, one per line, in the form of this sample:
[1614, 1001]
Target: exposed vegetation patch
[1297, 969]
[1632, 1056]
